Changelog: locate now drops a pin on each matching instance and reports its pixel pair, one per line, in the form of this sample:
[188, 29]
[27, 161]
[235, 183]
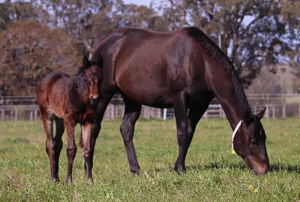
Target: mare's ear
[260, 115]
[86, 63]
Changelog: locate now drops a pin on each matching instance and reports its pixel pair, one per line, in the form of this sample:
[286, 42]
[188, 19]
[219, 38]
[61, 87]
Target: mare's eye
[253, 141]
[261, 132]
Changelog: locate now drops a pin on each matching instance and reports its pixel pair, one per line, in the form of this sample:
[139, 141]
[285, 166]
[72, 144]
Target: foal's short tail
[81, 141]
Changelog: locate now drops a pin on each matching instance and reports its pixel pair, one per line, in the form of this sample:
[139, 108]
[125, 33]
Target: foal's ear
[86, 63]
[260, 115]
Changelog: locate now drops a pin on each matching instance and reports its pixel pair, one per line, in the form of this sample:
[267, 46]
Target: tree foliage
[26, 56]
[252, 33]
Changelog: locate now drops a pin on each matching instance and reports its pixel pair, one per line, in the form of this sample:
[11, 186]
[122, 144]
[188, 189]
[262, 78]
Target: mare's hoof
[69, 180]
[135, 171]
[180, 169]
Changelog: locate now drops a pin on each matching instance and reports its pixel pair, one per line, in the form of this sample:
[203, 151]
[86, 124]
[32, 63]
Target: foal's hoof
[55, 180]
[90, 181]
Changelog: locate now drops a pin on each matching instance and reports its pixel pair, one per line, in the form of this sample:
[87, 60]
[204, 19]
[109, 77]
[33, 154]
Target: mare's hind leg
[88, 141]
[71, 149]
[132, 113]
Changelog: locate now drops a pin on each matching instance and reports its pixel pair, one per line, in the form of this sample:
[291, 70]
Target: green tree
[251, 33]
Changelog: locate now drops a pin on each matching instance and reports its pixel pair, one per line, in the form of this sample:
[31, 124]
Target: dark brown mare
[185, 70]
[68, 101]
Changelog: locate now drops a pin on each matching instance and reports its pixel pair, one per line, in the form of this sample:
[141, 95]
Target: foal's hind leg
[132, 113]
[53, 145]
[48, 126]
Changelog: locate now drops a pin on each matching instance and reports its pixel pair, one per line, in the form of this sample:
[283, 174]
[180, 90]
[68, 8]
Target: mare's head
[92, 71]
[250, 143]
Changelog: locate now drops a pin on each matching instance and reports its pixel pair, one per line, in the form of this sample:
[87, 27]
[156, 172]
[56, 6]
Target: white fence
[25, 108]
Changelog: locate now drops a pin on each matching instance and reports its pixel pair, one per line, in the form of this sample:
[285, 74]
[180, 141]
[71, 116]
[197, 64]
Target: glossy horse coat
[68, 101]
[185, 70]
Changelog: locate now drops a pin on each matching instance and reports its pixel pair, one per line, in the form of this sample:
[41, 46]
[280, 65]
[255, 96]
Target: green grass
[213, 173]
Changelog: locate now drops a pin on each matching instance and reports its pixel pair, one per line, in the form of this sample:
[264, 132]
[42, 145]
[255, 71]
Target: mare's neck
[234, 102]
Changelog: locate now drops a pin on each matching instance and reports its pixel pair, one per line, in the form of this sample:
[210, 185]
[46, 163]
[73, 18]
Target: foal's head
[93, 74]
[249, 143]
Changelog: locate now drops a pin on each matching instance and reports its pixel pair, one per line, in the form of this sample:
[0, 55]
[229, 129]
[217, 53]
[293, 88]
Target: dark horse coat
[185, 70]
[68, 101]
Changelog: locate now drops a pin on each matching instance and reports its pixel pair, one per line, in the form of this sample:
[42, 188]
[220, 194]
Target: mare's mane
[219, 56]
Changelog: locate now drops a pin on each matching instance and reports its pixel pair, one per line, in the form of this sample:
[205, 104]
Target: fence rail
[26, 108]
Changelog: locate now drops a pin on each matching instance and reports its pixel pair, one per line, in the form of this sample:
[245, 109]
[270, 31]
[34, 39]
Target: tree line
[41, 36]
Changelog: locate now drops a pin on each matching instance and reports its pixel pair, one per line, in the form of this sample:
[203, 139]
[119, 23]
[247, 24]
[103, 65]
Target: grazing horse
[68, 101]
[185, 70]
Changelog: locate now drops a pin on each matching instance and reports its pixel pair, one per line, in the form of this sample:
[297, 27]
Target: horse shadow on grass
[274, 167]
[239, 166]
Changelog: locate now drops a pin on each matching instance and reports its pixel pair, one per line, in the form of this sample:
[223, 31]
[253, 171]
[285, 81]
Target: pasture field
[213, 173]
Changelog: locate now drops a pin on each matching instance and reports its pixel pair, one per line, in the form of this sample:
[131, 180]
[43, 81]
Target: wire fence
[279, 105]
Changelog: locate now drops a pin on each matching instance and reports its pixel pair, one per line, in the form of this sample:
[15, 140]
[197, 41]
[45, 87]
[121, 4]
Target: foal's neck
[78, 90]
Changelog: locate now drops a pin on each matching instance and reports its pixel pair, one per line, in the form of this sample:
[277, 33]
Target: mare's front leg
[180, 111]
[196, 111]
[88, 141]
[58, 144]
[102, 105]
[71, 149]
[132, 113]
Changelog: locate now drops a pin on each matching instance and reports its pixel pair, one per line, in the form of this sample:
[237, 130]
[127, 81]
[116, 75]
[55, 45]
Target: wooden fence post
[284, 110]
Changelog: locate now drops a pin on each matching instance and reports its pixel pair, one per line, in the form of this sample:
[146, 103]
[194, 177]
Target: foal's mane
[81, 68]
[221, 58]
[80, 71]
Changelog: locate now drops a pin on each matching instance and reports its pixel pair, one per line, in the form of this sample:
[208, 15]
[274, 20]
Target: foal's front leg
[88, 140]
[71, 149]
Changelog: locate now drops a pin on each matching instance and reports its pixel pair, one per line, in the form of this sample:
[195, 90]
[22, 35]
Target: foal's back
[51, 94]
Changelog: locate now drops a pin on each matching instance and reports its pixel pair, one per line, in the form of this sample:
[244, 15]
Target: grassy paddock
[213, 173]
